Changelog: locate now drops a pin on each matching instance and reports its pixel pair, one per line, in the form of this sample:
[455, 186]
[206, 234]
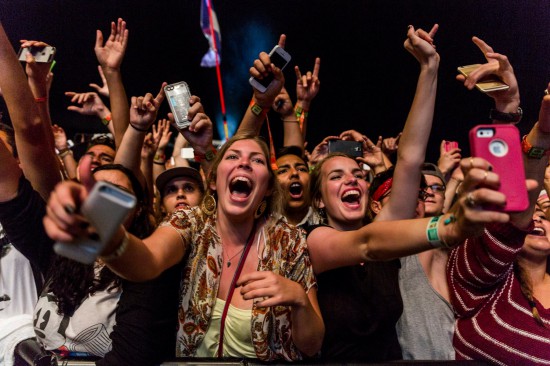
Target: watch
[209, 155]
[506, 117]
[532, 152]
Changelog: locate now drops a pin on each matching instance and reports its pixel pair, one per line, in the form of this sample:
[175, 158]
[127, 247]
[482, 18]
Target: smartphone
[178, 96]
[350, 148]
[280, 58]
[500, 144]
[106, 207]
[40, 54]
[490, 84]
[450, 145]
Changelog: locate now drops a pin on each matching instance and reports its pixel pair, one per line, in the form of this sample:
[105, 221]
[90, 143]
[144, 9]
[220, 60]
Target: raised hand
[60, 138]
[89, 104]
[307, 85]
[390, 144]
[143, 110]
[200, 132]
[448, 160]
[104, 89]
[38, 72]
[163, 133]
[421, 45]
[283, 104]
[111, 54]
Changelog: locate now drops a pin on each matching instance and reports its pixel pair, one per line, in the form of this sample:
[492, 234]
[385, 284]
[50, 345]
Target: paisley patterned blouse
[284, 253]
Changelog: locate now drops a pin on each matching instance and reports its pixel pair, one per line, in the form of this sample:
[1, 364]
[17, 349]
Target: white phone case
[280, 58]
[106, 208]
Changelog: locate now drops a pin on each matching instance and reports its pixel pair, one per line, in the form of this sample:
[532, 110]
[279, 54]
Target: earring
[209, 204]
[260, 210]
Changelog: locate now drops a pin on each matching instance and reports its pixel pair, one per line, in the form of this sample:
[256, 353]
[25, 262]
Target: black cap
[181, 171]
[432, 169]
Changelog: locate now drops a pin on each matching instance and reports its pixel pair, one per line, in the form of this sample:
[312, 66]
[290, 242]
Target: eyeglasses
[436, 188]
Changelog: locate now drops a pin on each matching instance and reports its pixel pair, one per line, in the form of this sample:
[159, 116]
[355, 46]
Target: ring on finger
[471, 162]
[470, 201]
[485, 177]
[545, 91]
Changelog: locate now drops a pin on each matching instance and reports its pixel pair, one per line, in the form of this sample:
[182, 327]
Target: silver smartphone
[106, 207]
[490, 84]
[280, 58]
[178, 95]
[40, 54]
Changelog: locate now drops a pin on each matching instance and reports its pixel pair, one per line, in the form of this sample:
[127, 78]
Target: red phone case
[503, 151]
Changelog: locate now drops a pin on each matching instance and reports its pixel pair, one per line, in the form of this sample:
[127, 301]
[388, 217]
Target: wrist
[257, 109]
[208, 155]
[123, 239]
[64, 152]
[507, 117]
[106, 119]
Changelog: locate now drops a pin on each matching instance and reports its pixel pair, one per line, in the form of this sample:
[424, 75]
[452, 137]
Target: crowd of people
[257, 251]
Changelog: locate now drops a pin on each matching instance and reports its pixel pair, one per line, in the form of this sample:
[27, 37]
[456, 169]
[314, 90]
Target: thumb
[95, 86]
[85, 173]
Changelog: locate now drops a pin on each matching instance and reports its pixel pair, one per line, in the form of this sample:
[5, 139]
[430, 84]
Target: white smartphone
[178, 95]
[41, 54]
[280, 58]
[490, 84]
[106, 207]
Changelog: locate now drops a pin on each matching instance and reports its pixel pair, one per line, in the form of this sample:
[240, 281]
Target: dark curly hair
[71, 282]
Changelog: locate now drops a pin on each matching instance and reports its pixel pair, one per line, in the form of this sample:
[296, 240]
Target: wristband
[137, 128]
[257, 109]
[506, 117]
[41, 100]
[432, 233]
[159, 162]
[208, 156]
[532, 151]
[119, 251]
[105, 120]
[64, 152]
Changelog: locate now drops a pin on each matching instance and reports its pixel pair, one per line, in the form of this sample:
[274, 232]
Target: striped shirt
[495, 322]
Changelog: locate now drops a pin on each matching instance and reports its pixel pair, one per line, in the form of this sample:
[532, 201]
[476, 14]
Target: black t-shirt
[360, 305]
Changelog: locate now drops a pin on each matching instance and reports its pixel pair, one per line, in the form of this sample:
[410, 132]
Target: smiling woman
[237, 222]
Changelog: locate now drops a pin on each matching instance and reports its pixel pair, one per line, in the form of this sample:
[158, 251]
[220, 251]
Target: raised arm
[413, 142]
[110, 56]
[385, 240]
[35, 144]
[261, 103]
[90, 104]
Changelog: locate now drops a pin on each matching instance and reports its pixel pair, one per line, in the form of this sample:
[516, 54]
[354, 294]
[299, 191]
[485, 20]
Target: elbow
[312, 346]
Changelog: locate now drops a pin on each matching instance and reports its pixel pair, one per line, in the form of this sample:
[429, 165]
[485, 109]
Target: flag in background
[211, 30]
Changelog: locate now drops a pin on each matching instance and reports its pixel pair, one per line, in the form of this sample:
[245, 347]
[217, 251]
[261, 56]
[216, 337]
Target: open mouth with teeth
[352, 198]
[296, 190]
[538, 231]
[240, 187]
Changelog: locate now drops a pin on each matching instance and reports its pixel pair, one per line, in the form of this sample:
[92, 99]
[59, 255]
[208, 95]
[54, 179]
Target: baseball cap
[177, 172]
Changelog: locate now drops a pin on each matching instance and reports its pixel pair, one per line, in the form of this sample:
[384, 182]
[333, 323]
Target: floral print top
[285, 253]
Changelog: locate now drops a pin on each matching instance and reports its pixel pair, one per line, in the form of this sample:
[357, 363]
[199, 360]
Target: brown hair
[527, 290]
[275, 200]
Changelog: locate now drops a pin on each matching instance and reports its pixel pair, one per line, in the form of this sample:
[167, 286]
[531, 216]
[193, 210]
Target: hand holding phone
[280, 58]
[106, 207]
[450, 145]
[178, 95]
[490, 84]
[500, 145]
[350, 148]
[41, 54]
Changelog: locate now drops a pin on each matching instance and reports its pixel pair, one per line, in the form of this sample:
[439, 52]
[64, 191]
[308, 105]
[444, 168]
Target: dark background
[367, 77]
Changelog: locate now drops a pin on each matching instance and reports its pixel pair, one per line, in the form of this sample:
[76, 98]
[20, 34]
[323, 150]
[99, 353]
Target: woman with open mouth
[248, 289]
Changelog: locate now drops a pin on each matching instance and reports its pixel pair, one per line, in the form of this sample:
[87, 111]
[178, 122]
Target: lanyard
[232, 287]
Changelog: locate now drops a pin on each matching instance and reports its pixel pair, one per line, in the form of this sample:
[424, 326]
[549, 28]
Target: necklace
[234, 255]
